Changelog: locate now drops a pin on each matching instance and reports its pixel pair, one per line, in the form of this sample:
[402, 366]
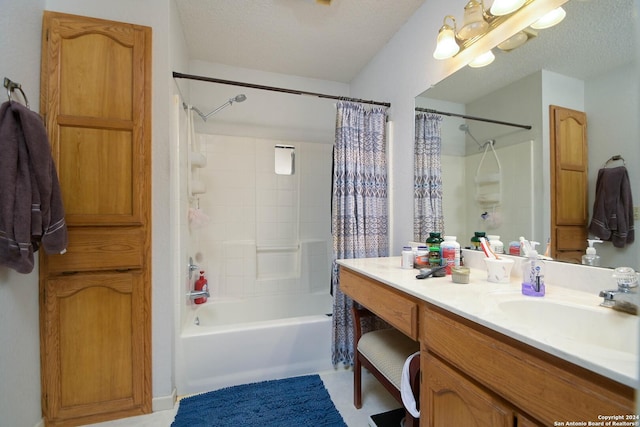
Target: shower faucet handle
[192, 267]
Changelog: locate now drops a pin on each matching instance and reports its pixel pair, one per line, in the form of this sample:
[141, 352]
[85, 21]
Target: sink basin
[589, 328]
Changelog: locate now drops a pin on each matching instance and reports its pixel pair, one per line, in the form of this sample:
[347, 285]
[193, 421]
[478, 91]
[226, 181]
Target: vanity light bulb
[482, 60]
[474, 23]
[550, 19]
[505, 7]
[446, 46]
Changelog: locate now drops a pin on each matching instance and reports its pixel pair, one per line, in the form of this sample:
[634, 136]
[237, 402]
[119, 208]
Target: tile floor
[339, 383]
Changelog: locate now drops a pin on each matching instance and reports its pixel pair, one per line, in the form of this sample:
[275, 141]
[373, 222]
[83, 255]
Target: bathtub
[225, 343]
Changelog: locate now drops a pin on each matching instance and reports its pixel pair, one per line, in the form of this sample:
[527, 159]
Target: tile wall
[266, 233]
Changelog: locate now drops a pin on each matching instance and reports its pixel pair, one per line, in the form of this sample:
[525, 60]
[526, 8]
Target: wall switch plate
[636, 213]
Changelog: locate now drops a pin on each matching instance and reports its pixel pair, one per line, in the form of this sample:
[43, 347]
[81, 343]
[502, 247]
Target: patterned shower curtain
[427, 204]
[358, 207]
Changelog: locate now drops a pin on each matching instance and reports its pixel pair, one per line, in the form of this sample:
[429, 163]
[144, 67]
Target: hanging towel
[406, 393]
[31, 209]
[613, 207]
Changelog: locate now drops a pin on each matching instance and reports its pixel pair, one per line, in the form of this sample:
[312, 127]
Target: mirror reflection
[586, 65]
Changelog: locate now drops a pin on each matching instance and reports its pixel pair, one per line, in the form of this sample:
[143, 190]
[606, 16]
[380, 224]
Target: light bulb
[550, 19]
[505, 7]
[482, 60]
[446, 46]
[474, 23]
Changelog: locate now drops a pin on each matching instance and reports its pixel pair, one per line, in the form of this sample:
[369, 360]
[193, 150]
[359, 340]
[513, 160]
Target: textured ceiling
[596, 36]
[295, 37]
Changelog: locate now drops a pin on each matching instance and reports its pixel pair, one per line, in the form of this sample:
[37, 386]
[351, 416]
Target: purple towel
[31, 210]
[613, 207]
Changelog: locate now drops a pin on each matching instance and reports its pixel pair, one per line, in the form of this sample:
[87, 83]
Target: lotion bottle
[591, 258]
[533, 275]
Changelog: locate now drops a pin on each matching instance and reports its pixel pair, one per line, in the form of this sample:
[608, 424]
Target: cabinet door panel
[99, 344]
[452, 400]
[95, 168]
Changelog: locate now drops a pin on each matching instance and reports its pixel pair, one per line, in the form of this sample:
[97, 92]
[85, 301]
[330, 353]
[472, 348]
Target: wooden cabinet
[472, 375]
[398, 309]
[452, 400]
[531, 381]
[95, 300]
[569, 187]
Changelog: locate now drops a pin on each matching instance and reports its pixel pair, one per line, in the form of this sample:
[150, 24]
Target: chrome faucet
[625, 298]
[198, 294]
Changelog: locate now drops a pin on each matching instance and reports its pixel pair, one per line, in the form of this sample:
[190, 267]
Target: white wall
[265, 114]
[20, 23]
[250, 207]
[611, 104]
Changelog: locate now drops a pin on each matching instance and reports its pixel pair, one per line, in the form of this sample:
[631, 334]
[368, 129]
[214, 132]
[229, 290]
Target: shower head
[238, 98]
[465, 128]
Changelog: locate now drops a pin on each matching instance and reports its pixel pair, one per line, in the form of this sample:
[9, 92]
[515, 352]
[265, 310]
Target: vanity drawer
[398, 309]
[100, 249]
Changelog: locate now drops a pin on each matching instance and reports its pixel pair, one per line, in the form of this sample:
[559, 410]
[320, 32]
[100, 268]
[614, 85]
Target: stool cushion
[387, 350]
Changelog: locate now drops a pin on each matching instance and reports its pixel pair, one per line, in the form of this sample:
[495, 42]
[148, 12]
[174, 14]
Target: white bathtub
[250, 340]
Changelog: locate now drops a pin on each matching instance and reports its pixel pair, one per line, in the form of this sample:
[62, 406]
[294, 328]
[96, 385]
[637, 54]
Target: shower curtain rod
[479, 119]
[177, 75]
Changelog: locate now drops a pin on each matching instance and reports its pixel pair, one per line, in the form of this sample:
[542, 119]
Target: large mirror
[586, 63]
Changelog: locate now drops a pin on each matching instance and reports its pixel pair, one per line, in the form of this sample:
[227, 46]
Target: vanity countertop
[480, 301]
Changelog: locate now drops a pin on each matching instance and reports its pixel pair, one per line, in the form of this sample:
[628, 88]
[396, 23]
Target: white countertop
[482, 302]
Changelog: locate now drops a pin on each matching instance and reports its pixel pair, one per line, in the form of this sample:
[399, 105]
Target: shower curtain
[427, 176]
[359, 218]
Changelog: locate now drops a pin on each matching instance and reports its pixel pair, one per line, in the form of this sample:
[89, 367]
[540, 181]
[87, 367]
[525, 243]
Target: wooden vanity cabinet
[450, 399]
[475, 376]
[472, 370]
[396, 308]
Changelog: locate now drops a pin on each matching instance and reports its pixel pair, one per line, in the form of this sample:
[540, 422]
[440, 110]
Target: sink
[565, 324]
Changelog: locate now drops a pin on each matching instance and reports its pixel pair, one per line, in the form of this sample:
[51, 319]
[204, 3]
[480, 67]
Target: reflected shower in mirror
[581, 64]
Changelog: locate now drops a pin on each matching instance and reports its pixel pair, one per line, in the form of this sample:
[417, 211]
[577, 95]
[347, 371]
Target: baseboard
[164, 403]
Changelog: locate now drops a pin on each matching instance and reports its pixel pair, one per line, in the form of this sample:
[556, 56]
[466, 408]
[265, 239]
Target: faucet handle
[626, 277]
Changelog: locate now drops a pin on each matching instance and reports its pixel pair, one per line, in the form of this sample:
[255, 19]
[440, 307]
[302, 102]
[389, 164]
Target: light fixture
[505, 7]
[482, 60]
[479, 21]
[473, 23]
[446, 45]
[513, 42]
[550, 19]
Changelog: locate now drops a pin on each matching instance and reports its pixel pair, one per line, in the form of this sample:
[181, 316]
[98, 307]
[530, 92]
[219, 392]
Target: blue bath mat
[297, 401]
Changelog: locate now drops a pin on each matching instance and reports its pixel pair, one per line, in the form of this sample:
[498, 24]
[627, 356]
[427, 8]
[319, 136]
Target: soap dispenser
[591, 258]
[533, 274]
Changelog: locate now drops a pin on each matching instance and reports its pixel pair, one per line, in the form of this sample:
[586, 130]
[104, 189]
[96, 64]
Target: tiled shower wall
[266, 233]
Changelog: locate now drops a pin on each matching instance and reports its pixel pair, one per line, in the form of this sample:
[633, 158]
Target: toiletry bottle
[421, 259]
[475, 240]
[450, 253]
[495, 244]
[591, 258]
[201, 285]
[407, 257]
[533, 275]
[434, 240]
[514, 248]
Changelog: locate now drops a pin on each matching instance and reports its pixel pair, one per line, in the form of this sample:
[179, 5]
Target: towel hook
[614, 159]
[11, 87]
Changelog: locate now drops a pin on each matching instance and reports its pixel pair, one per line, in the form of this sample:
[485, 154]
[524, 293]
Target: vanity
[493, 357]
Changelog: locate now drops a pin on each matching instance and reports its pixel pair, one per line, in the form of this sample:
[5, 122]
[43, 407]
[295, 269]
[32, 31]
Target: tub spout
[198, 294]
